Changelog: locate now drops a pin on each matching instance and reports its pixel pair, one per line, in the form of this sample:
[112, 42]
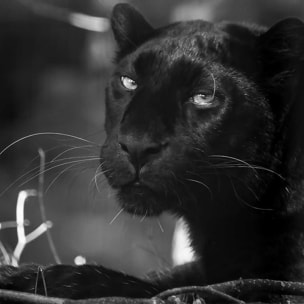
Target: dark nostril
[124, 147]
[164, 144]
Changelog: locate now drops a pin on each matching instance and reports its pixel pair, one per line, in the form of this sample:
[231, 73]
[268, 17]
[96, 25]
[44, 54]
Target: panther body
[204, 121]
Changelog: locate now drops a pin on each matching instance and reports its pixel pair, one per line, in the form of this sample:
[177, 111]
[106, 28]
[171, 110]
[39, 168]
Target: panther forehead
[179, 43]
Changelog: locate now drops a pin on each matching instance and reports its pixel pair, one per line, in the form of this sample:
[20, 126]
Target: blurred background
[55, 59]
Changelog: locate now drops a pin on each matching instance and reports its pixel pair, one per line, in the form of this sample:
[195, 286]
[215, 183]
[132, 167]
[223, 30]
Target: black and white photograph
[151, 151]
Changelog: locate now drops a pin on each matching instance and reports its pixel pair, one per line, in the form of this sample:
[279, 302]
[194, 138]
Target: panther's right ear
[129, 27]
[282, 49]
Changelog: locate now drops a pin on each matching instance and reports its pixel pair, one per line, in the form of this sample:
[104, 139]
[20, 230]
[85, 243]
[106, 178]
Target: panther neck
[259, 246]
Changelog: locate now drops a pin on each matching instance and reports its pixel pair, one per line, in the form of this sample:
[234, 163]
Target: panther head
[192, 113]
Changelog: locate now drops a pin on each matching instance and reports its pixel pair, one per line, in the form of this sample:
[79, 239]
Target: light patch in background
[181, 250]
[89, 23]
[201, 10]
[77, 19]
[80, 260]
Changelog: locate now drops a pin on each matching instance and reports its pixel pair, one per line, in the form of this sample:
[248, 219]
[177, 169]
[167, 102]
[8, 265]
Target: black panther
[205, 121]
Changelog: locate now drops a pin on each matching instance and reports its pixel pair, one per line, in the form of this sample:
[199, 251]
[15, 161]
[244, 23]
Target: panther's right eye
[203, 100]
[128, 83]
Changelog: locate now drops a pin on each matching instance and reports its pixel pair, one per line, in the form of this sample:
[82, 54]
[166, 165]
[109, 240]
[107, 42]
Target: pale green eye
[128, 83]
[203, 100]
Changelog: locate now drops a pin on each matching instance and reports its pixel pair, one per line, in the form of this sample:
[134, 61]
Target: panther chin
[140, 200]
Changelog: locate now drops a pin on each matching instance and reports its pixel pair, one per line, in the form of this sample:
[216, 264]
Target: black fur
[233, 170]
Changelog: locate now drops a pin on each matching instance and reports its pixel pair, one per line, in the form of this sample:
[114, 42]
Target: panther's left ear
[129, 27]
[281, 52]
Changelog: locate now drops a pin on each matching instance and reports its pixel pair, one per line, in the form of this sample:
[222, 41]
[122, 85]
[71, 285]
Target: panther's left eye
[203, 100]
[128, 83]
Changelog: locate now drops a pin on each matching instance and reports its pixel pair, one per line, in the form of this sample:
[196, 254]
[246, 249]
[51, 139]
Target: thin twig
[204, 291]
[12, 224]
[42, 208]
[15, 297]
[40, 271]
[6, 256]
[22, 240]
[232, 291]
[244, 287]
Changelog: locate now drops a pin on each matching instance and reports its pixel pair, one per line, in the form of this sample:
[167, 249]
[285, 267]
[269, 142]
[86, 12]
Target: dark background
[52, 79]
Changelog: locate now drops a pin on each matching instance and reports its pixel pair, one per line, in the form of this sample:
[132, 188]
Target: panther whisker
[116, 216]
[246, 164]
[232, 161]
[244, 202]
[219, 166]
[45, 151]
[58, 176]
[110, 193]
[160, 225]
[101, 183]
[173, 189]
[185, 186]
[177, 195]
[84, 157]
[95, 183]
[270, 171]
[96, 175]
[46, 133]
[214, 85]
[95, 178]
[57, 166]
[142, 219]
[235, 159]
[71, 149]
[249, 188]
[35, 170]
[201, 183]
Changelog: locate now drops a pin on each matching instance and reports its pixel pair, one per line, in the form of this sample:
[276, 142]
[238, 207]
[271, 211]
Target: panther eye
[128, 83]
[203, 100]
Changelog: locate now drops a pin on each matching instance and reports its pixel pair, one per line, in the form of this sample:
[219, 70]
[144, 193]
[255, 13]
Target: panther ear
[129, 27]
[282, 52]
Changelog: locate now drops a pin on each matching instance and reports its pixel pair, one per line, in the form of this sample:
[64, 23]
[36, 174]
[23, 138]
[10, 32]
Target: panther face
[187, 120]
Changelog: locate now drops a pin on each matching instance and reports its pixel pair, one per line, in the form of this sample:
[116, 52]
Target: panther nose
[140, 151]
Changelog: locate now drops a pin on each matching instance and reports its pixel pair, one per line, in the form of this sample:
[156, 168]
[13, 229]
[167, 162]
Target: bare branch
[42, 208]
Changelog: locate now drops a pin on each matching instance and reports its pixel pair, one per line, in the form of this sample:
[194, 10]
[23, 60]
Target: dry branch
[228, 292]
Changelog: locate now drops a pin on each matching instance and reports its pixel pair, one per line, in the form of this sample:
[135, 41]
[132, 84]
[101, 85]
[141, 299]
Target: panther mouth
[140, 199]
[136, 188]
